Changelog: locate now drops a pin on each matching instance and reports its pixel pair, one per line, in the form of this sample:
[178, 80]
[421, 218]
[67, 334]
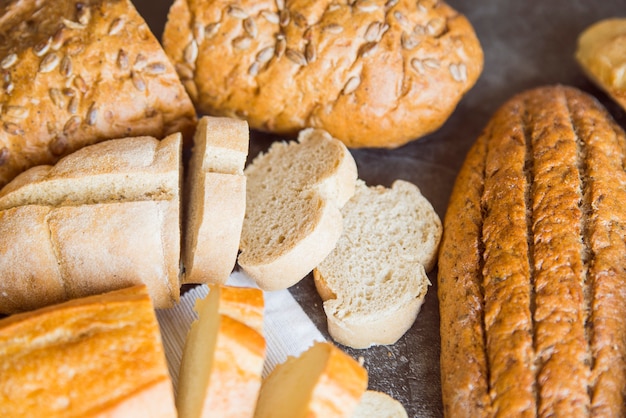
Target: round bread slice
[375, 404]
[293, 207]
[374, 282]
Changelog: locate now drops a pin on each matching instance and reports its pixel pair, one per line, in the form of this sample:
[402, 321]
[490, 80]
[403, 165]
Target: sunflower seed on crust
[80, 84]
[236, 12]
[408, 41]
[270, 16]
[57, 97]
[155, 68]
[352, 85]
[16, 112]
[367, 6]
[92, 115]
[13, 128]
[140, 62]
[284, 17]
[70, 24]
[71, 125]
[42, 47]
[310, 53]
[191, 52]
[49, 63]
[66, 66]
[8, 61]
[333, 28]
[296, 57]
[138, 81]
[116, 26]
[249, 25]
[373, 31]
[184, 71]
[84, 15]
[242, 42]
[211, 29]
[458, 72]
[72, 107]
[367, 48]
[265, 54]
[254, 69]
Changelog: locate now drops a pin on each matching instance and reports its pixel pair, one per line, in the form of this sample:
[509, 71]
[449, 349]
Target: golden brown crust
[78, 72]
[543, 264]
[397, 68]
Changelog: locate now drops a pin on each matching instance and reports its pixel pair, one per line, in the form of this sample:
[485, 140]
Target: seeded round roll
[370, 72]
[77, 72]
[532, 279]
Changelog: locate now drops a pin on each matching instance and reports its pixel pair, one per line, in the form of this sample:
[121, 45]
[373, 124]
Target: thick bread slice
[80, 72]
[323, 382]
[223, 356]
[375, 404]
[105, 217]
[374, 282]
[216, 200]
[294, 195]
[99, 356]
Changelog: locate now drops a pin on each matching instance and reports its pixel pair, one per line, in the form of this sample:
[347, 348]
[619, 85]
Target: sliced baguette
[294, 195]
[375, 404]
[374, 281]
[216, 200]
[223, 356]
[323, 382]
[99, 356]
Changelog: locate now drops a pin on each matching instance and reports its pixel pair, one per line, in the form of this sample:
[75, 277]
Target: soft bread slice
[216, 201]
[223, 356]
[323, 382]
[104, 218]
[294, 195]
[99, 356]
[374, 281]
[375, 404]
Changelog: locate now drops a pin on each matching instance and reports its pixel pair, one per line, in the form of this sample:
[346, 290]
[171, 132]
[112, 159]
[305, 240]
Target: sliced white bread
[223, 356]
[216, 199]
[323, 382]
[375, 404]
[294, 195]
[374, 281]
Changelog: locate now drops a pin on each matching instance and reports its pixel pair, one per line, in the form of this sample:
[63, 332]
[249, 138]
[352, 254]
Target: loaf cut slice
[216, 199]
[323, 382]
[104, 218]
[293, 219]
[96, 356]
[223, 357]
[374, 282]
[375, 404]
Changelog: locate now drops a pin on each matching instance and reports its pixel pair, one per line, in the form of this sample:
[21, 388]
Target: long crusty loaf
[216, 199]
[99, 356]
[78, 72]
[103, 218]
[374, 281]
[531, 267]
[294, 195]
[370, 72]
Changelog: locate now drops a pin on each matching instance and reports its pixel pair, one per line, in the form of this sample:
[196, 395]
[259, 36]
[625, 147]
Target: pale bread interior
[375, 404]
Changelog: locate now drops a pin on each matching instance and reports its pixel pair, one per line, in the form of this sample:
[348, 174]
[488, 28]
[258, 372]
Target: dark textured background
[527, 44]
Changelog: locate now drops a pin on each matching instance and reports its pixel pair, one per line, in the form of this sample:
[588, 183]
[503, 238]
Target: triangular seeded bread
[374, 282]
[294, 195]
[216, 200]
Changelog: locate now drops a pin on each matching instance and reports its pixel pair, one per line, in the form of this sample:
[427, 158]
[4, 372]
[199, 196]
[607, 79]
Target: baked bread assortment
[104, 217]
[95, 356]
[601, 54]
[372, 73]
[221, 367]
[531, 266]
[374, 281]
[374, 404]
[216, 200]
[323, 382]
[293, 219]
[78, 72]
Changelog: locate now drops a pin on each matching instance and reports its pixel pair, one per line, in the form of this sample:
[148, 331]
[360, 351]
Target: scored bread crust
[294, 195]
[371, 73]
[78, 72]
[530, 268]
[99, 356]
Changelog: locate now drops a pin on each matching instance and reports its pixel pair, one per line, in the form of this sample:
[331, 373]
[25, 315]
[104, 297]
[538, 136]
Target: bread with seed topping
[371, 73]
[531, 266]
[77, 72]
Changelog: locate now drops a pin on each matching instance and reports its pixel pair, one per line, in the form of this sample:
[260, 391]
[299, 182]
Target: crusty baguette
[371, 73]
[374, 282]
[76, 73]
[601, 54]
[294, 195]
[323, 382]
[223, 357]
[531, 266]
[375, 404]
[105, 217]
[99, 356]
[216, 200]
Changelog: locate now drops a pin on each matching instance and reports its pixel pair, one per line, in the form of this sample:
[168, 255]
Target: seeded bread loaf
[99, 356]
[293, 218]
[78, 72]
[374, 281]
[216, 199]
[104, 217]
[375, 404]
[372, 73]
[323, 382]
[223, 356]
[531, 268]
[601, 53]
